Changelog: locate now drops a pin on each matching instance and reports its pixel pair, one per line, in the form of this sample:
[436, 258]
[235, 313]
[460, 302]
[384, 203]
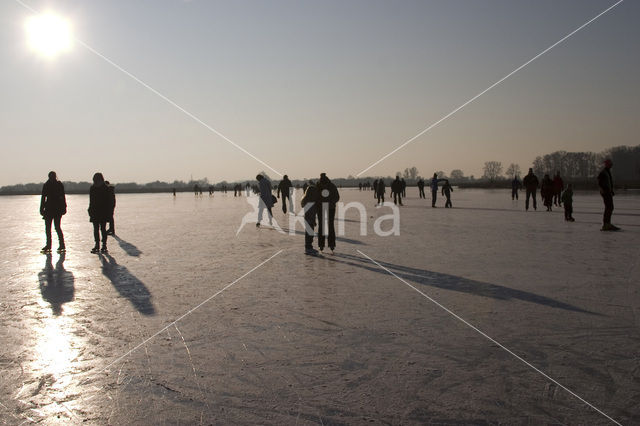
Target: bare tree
[456, 174]
[513, 170]
[492, 170]
[441, 174]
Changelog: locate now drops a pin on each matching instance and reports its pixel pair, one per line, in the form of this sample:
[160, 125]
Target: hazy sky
[313, 86]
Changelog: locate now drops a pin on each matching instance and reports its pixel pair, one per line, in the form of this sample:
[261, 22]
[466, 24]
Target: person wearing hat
[53, 206]
[605, 183]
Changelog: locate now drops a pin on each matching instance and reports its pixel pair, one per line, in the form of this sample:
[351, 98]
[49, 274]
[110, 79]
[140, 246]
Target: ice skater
[309, 203]
[446, 191]
[100, 209]
[515, 186]
[53, 205]
[380, 190]
[284, 187]
[111, 230]
[605, 183]
[328, 196]
[375, 189]
[530, 183]
[396, 190]
[434, 189]
[421, 188]
[558, 186]
[266, 199]
[567, 201]
[404, 187]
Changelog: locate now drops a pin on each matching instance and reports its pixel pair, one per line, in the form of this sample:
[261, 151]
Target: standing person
[546, 192]
[174, 192]
[53, 205]
[328, 196]
[266, 199]
[558, 186]
[446, 191]
[404, 188]
[112, 191]
[309, 203]
[380, 190]
[530, 183]
[515, 186]
[100, 209]
[375, 189]
[605, 183]
[567, 200]
[434, 189]
[284, 188]
[421, 188]
[396, 190]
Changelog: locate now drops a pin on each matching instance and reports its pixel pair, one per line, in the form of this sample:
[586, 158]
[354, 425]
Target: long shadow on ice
[129, 248]
[127, 284]
[455, 283]
[56, 284]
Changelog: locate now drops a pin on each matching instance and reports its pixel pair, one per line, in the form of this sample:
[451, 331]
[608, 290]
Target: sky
[312, 86]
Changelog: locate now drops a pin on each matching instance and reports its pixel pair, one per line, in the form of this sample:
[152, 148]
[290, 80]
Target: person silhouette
[111, 230]
[434, 189]
[530, 183]
[567, 201]
[446, 191]
[100, 208]
[266, 199]
[375, 190]
[515, 186]
[328, 196]
[404, 188]
[546, 192]
[421, 188]
[53, 205]
[605, 183]
[284, 188]
[396, 190]
[558, 186]
[309, 203]
[380, 190]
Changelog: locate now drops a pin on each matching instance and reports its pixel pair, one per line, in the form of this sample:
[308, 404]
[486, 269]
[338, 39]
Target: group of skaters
[102, 204]
[399, 190]
[318, 203]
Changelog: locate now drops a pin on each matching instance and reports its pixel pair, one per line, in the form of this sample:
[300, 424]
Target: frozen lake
[481, 314]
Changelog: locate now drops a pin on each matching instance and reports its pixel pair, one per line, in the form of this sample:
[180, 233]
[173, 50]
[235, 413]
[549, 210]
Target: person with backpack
[53, 205]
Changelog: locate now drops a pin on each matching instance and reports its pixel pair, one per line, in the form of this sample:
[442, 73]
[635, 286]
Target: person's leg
[533, 194]
[332, 228]
[270, 215]
[608, 209]
[47, 231]
[57, 223]
[516, 194]
[434, 197]
[526, 203]
[261, 208]
[103, 231]
[284, 203]
[400, 199]
[322, 229]
[96, 234]
[309, 218]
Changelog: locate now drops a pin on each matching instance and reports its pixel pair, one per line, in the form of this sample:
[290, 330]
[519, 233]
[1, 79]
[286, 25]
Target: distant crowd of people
[319, 202]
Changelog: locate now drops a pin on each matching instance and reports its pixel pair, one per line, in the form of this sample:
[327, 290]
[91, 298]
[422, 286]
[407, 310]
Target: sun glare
[48, 34]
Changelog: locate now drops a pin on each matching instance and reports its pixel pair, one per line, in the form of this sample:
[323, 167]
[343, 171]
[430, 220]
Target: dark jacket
[546, 189]
[327, 192]
[558, 184]
[312, 197]
[100, 203]
[605, 182]
[380, 187]
[112, 194]
[396, 186]
[53, 202]
[283, 187]
[530, 182]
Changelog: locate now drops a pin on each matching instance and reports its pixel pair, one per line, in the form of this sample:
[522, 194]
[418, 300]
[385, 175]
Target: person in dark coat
[380, 190]
[284, 188]
[100, 210]
[309, 203]
[328, 196]
[404, 188]
[434, 189]
[605, 183]
[515, 186]
[567, 200]
[447, 189]
[53, 205]
[112, 191]
[421, 188]
[558, 186]
[546, 192]
[396, 190]
[375, 189]
[266, 199]
[530, 183]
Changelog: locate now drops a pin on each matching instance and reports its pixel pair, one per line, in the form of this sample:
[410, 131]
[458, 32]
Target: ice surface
[331, 339]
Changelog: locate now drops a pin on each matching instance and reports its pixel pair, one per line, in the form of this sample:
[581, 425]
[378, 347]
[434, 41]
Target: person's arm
[278, 192]
[43, 198]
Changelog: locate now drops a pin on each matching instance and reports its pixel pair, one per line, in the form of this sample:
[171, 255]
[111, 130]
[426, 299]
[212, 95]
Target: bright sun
[48, 34]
